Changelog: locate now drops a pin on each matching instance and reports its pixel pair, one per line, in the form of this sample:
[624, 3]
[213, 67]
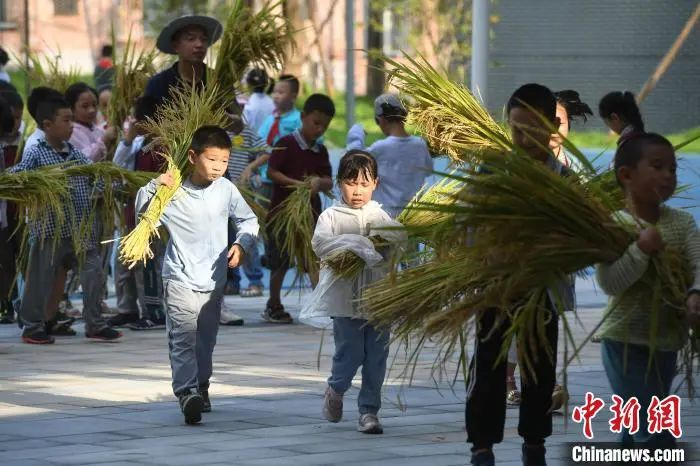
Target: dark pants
[485, 409]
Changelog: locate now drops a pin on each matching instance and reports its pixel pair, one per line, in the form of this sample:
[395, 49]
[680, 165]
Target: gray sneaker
[369, 424]
[332, 405]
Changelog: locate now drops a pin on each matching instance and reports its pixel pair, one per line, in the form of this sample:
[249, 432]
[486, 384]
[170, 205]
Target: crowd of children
[271, 149]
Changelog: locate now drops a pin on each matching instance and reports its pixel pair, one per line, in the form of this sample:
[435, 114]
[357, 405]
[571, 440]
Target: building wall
[599, 46]
[78, 37]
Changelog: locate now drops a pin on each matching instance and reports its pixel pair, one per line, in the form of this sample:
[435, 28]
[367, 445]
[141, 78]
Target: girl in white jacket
[347, 225]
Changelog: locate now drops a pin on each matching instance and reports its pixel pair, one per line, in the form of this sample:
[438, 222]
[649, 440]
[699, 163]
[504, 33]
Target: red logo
[665, 415]
[587, 412]
[625, 415]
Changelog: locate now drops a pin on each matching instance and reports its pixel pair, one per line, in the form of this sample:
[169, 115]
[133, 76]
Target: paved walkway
[83, 402]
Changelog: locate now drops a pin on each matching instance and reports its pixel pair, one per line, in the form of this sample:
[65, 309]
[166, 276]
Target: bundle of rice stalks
[43, 71]
[172, 129]
[255, 201]
[131, 72]
[293, 226]
[251, 38]
[348, 265]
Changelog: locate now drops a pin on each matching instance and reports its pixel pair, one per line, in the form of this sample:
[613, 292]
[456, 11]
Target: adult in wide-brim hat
[188, 37]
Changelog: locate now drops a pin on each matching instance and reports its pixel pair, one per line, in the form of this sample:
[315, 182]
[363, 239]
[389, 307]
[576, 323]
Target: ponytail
[571, 101]
[624, 105]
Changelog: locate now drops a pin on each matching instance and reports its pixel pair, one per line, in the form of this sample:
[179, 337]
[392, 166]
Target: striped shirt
[629, 304]
[245, 147]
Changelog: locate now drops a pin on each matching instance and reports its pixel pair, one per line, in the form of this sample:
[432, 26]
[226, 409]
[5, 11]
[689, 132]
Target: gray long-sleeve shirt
[197, 221]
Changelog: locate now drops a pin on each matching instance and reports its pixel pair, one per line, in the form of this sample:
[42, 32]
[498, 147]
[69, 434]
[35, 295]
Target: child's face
[211, 164]
[556, 139]
[61, 127]
[85, 110]
[358, 192]
[105, 97]
[191, 44]
[653, 180]
[314, 125]
[17, 114]
[282, 96]
[529, 132]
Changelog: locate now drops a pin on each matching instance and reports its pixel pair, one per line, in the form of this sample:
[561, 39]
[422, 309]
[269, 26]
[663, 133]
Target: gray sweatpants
[44, 263]
[192, 320]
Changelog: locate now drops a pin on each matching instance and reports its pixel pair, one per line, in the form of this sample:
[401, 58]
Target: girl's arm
[616, 277]
[94, 151]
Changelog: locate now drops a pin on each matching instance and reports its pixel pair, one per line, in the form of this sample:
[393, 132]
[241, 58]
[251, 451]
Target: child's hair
[319, 103]
[292, 80]
[631, 152]
[38, 95]
[571, 101]
[13, 99]
[357, 162]
[4, 57]
[107, 51]
[145, 107]
[49, 108]
[75, 90]
[7, 120]
[534, 96]
[209, 136]
[257, 79]
[7, 87]
[624, 105]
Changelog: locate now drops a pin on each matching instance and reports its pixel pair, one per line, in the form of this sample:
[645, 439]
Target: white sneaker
[228, 317]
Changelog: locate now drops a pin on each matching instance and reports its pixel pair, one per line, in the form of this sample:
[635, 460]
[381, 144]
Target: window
[65, 7]
[7, 16]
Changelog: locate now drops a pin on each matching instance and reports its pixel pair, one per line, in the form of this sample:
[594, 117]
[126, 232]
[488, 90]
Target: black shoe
[206, 403]
[191, 405]
[120, 320]
[146, 324]
[483, 458]
[60, 328]
[106, 334]
[37, 336]
[534, 455]
[7, 318]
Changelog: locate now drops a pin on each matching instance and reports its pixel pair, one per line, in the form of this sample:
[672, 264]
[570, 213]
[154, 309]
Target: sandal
[559, 397]
[253, 291]
[513, 398]
[276, 315]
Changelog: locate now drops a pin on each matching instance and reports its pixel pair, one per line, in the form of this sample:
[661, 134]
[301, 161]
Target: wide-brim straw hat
[211, 25]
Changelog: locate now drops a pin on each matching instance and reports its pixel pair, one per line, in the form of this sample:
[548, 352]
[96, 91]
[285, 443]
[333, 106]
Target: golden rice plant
[348, 265]
[172, 128]
[255, 201]
[49, 72]
[249, 39]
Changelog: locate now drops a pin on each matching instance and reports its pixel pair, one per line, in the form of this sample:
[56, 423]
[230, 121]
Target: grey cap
[211, 25]
[389, 105]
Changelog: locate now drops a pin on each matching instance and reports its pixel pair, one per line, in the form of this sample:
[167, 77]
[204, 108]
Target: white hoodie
[341, 227]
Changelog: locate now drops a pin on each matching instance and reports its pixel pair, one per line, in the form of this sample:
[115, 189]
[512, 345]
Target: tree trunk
[295, 61]
[375, 43]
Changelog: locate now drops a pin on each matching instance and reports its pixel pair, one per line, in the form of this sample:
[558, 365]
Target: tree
[376, 80]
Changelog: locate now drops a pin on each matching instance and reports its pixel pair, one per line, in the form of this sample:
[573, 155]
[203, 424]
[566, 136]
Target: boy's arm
[28, 162]
[124, 156]
[356, 137]
[324, 177]
[616, 277]
[247, 227]
[276, 165]
[146, 194]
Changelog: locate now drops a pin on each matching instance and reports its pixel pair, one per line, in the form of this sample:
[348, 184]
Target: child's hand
[110, 135]
[132, 132]
[315, 185]
[245, 175]
[650, 241]
[235, 256]
[166, 179]
[693, 311]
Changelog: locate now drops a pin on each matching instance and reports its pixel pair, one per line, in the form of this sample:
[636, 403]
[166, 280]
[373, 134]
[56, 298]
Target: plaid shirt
[81, 189]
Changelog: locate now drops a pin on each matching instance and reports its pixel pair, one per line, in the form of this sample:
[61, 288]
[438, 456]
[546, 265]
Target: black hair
[13, 99]
[257, 79]
[209, 136]
[356, 162]
[571, 101]
[145, 107]
[534, 96]
[319, 103]
[292, 80]
[631, 152]
[624, 105]
[75, 90]
[4, 57]
[49, 108]
[107, 51]
[7, 87]
[38, 95]
[7, 119]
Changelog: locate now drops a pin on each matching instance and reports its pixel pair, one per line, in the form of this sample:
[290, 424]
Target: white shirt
[403, 165]
[4, 76]
[125, 155]
[259, 107]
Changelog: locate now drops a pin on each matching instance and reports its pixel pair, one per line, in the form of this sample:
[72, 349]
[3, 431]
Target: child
[246, 147]
[404, 160]
[104, 98]
[88, 137]
[645, 167]
[486, 396]
[54, 117]
[4, 58]
[260, 105]
[194, 270]
[294, 158]
[38, 95]
[357, 343]
[621, 114]
[139, 288]
[104, 70]
[284, 121]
